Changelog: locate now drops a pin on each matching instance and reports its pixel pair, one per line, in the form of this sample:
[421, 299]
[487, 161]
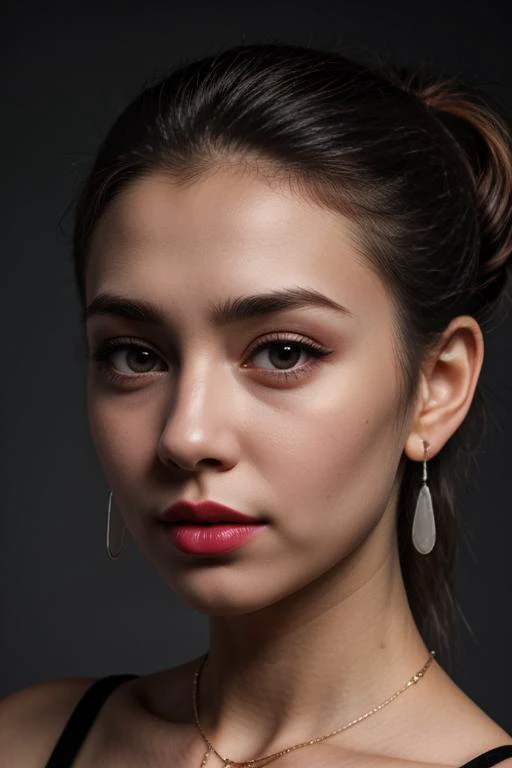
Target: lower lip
[210, 539]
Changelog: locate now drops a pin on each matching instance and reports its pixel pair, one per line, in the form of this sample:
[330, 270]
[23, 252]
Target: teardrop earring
[424, 524]
[120, 533]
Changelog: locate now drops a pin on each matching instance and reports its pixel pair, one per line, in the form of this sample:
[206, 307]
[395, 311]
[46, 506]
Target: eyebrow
[228, 311]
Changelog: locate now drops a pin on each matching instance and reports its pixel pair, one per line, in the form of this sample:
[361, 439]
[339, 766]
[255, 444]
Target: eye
[138, 359]
[116, 353]
[282, 356]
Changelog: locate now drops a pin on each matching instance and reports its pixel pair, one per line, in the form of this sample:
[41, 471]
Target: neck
[303, 667]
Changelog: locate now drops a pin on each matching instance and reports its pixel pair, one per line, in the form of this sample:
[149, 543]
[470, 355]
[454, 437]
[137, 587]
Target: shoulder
[32, 719]
[471, 735]
[482, 734]
[463, 730]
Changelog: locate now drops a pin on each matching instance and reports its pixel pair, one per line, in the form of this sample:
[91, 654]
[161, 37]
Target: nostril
[210, 462]
[191, 466]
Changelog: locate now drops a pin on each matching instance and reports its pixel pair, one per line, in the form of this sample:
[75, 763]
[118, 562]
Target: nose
[199, 431]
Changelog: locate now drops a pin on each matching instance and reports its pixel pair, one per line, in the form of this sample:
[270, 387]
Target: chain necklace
[259, 762]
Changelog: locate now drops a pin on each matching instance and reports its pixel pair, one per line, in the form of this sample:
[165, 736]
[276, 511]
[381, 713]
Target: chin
[214, 598]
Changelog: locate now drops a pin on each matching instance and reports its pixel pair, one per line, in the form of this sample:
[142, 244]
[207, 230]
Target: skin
[310, 624]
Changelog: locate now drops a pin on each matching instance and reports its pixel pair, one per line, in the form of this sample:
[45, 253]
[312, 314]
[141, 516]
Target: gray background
[68, 69]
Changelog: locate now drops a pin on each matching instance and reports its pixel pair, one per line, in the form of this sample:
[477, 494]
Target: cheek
[119, 432]
[334, 462]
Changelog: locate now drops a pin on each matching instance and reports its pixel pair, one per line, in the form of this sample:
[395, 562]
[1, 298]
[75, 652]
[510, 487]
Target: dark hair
[422, 167]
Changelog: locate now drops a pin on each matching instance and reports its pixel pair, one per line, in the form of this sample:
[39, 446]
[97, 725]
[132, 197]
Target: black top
[85, 712]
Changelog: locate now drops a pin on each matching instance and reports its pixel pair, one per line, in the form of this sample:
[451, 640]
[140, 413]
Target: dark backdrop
[68, 69]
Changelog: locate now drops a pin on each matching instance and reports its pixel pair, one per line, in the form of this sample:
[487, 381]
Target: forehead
[227, 233]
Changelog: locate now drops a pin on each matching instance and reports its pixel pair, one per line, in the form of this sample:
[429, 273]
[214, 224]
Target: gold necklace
[258, 762]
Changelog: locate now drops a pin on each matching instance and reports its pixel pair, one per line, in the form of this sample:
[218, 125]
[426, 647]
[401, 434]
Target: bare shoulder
[32, 719]
[462, 729]
[481, 732]
[492, 736]
[469, 734]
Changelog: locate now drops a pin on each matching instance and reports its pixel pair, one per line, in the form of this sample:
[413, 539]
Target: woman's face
[285, 409]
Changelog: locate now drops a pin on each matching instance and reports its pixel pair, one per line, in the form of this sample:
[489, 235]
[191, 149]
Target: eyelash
[103, 353]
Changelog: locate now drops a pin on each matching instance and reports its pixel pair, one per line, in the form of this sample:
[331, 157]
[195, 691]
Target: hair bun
[482, 136]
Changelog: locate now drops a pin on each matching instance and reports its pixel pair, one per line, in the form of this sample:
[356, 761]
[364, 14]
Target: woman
[285, 261]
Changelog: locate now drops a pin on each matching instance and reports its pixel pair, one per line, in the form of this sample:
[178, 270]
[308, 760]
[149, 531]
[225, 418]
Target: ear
[446, 387]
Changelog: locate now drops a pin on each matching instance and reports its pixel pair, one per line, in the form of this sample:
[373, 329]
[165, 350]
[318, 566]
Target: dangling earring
[424, 524]
[120, 534]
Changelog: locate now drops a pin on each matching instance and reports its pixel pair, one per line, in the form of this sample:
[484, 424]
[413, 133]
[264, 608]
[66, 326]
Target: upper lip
[204, 512]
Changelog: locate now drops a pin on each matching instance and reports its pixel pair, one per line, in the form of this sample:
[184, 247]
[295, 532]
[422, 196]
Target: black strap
[81, 719]
[492, 757]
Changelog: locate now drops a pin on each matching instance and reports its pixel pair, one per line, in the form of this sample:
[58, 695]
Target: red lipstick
[208, 528]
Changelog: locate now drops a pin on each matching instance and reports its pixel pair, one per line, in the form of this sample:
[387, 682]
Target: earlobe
[447, 385]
